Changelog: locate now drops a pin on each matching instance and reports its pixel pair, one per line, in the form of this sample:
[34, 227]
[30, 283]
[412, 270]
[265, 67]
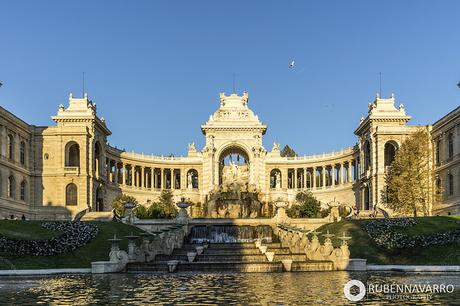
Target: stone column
[123, 174]
[132, 175]
[314, 178]
[143, 185]
[324, 177]
[350, 168]
[162, 180]
[117, 172]
[341, 173]
[152, 179]
[295, 178]
[304, 178]
[332, 175]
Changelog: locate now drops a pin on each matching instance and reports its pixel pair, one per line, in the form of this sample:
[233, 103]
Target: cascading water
[230, 233]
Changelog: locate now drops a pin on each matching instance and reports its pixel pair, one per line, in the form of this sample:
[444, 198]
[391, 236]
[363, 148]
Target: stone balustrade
[152, 244]
[297, 240]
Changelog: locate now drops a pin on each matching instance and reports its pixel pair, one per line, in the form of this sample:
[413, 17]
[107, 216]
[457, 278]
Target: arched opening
[390, 153]
[11, 187]
[367, 155]
[99, 199]
[192, 179]
[10, 146]
[71, 194]
[22, 153]
[366, 203]
[72, 155]
[97, 158]
[23, 190]
[275, 179]
[233, 166]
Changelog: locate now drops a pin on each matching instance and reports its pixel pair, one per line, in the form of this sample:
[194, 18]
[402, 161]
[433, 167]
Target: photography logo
[354, 297]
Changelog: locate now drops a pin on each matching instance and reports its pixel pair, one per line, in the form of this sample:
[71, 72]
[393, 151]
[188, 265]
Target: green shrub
[119, 202]
[307, 206]
[163, 209]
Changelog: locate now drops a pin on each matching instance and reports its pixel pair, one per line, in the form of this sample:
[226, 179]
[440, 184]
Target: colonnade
[143, 177]
[315, 177]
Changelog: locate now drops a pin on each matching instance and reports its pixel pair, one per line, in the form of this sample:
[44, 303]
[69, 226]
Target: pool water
[302, 288]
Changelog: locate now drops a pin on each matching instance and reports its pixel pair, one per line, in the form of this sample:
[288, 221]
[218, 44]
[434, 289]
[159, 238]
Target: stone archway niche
[234, 197]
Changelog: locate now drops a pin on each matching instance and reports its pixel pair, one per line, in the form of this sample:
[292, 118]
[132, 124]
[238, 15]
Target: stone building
[445, 136]
[59, 171]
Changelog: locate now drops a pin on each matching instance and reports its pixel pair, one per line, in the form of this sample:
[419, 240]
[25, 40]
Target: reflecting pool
[302, 288]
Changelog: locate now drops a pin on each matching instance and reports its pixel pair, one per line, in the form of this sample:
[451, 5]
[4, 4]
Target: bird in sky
[458, 84]
[2, 83]
[291, 65]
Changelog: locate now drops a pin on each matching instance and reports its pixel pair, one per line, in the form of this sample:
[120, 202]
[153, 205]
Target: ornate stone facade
[59, 171]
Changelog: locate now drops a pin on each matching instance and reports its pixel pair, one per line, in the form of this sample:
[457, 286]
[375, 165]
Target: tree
[287, 151]
[307, 206]
[409, 181]
[163, 209]
[119, 202]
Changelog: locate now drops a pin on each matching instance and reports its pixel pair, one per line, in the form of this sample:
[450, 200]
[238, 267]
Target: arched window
[22, 153]
[23, 190]
[71, 194]
[97, 158]
[275, 178]
[450, 180]
[192, 179]
[450, 145]
[367, 155]
[11, 147]
[390, 153]
[72, 155]
[11, 186]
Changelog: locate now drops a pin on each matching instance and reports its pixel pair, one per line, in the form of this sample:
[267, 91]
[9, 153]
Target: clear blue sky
[155, 68]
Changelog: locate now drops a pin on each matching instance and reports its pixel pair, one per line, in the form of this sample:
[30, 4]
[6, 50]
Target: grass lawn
[361, 246]
[26, 230]
[97, 250]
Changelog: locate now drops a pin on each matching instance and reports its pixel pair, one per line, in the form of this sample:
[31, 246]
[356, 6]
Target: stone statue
[189, 180]
[277, 180]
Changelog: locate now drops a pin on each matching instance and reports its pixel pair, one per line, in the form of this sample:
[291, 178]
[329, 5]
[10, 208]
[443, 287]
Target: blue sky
[155, 68]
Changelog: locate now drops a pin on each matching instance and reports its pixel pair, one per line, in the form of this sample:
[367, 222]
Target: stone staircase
[231, 257]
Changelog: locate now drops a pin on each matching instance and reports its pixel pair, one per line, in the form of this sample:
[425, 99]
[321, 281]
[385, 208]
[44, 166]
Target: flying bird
[457, 84]
[2, 84]
[291, 65]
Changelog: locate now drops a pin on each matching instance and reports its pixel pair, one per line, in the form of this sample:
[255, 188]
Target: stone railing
[159, 242]
[297, 240]
[151, 244]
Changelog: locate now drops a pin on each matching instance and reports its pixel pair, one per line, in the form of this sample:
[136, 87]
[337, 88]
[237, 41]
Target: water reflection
[319, 288]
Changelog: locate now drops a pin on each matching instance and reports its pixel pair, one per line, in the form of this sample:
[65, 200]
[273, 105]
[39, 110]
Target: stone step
[208, 267]
[248, 245]
[225, 258]
[298, 266]
[211, 251]
[232, 257]
[294, 257]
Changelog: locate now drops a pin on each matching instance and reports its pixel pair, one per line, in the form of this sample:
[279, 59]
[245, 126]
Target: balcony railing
[72, 170]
